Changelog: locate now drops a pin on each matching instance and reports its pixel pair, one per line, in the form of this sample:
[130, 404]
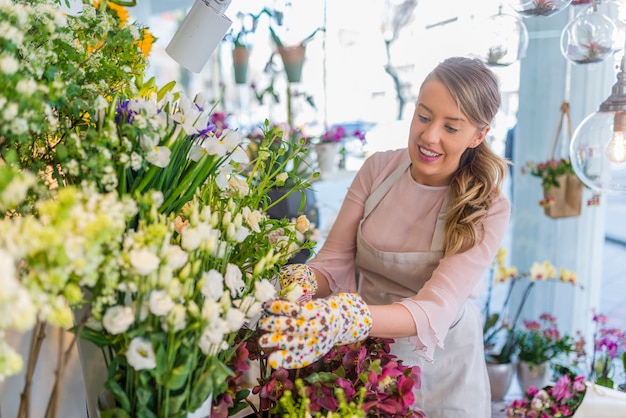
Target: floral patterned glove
[302, 333]
[299, 274]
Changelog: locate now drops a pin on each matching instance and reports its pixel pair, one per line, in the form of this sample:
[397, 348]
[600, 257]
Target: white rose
[160, 303]
[302, 224]
[140, 354]
[118, 319]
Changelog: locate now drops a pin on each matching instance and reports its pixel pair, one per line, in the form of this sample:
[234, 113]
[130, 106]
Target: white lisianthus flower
[144, 261]
[235, 319]
[212, 334]
[118, 319]
[264, 290]
[160, 303]
[140, 354]
[175, 257]
[212, 285]
[233, 280]
[176, 319]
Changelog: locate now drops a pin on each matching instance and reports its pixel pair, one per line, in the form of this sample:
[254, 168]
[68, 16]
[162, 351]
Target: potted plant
[331, 146]
[369, 376]
[293, 55]
[540, 342]
[609, 345]
[241, 47]
[499, 326]
[561, 187]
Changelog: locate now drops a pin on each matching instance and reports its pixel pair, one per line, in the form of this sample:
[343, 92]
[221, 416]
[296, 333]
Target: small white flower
[239, 185]
[143, 261]
[118, 319]
[302, 224]
[253, 218]
[140, 354]
[9, 65]
[160, 303]
[10, 361]
[233, 280]
[282, 178]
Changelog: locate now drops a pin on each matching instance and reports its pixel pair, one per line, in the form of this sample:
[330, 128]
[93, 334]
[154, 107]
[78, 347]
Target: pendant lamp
[598, 147]
[532, 8]
[504, 39]
[590, 37]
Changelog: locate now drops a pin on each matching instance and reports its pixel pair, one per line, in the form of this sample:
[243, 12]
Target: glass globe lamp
[504, 39]
[590, 37]
[532, 8]
[598, 147]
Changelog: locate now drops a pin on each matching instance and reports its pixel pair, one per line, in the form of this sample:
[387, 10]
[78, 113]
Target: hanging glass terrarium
[589, 38]
[532, 8]
[615, 10]
[504, 39]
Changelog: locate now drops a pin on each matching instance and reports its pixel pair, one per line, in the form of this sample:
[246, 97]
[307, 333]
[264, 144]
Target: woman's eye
[423, 119]
[451, 129]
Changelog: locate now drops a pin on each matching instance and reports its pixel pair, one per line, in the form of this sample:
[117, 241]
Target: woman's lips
[428, 155]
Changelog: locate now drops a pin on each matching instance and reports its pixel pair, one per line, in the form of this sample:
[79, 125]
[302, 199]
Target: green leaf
[114, 413]
[178, 376]
[121, 398]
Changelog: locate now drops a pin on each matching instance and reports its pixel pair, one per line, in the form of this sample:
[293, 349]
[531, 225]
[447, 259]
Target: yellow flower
[145, 43]
[120, 11]
[568, 276]
[501, 257]
[543, 271]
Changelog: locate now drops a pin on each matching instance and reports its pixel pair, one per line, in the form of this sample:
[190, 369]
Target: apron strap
[378, 194]
[440, 228]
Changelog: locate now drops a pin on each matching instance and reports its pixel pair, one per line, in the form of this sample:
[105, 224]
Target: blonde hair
[481, 171]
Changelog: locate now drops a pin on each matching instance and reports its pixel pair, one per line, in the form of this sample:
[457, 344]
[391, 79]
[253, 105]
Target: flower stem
[39, 333]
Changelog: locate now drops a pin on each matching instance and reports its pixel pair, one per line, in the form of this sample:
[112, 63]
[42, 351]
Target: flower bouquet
[121, 200]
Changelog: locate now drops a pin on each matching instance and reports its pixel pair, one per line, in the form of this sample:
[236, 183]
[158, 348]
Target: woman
[408, 250]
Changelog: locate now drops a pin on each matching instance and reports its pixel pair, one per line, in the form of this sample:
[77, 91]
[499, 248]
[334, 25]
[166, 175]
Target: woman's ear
[481, 134]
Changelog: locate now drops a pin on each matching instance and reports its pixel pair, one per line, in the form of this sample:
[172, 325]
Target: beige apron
[456, 384]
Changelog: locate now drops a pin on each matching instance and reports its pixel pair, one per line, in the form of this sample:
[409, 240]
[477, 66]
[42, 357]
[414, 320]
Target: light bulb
[616, 148]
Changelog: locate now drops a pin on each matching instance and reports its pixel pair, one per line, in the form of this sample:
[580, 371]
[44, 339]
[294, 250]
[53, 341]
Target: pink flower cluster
[560, 400]
[337, 133]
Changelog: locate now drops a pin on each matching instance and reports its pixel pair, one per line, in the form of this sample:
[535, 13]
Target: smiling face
[439, 135]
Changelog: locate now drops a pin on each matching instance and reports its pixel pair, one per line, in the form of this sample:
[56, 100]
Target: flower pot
[537, 375]
[240, 64]
[293, 59]
[566, 199]
[198, 35]
[328, 158]
[500, 378]
[204, 411]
